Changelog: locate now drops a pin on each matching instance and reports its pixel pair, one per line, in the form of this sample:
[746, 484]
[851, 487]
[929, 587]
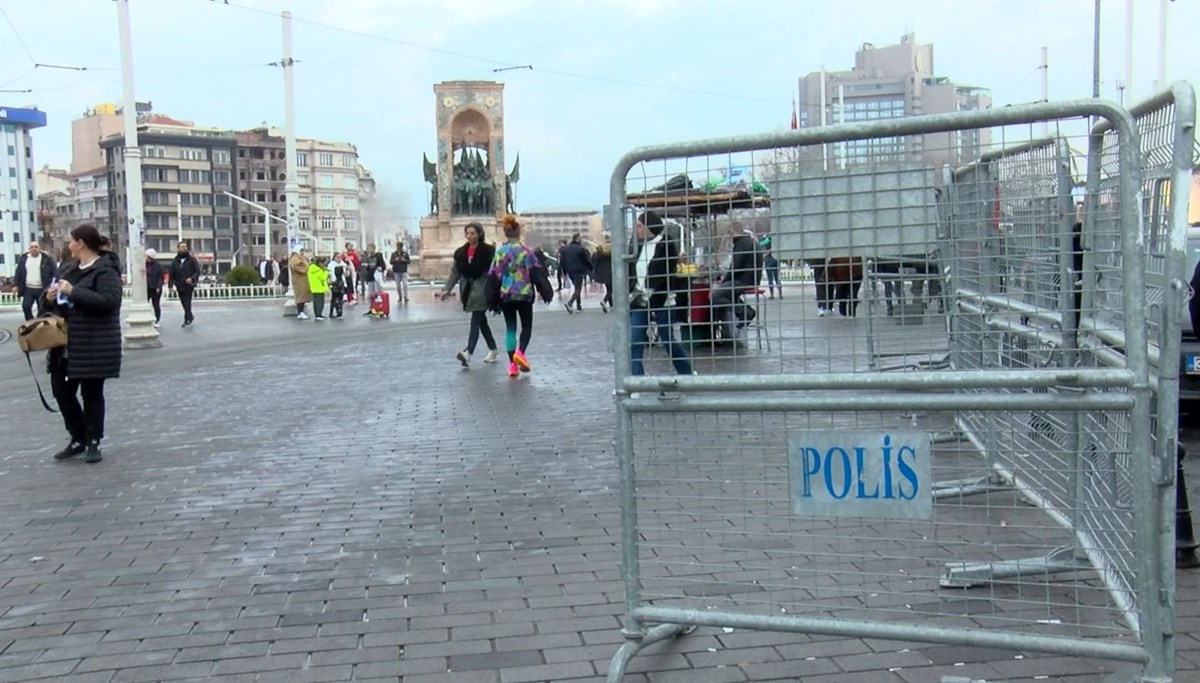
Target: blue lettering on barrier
[861, 474]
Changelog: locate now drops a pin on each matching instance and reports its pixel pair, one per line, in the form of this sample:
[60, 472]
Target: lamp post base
[289, 303]
[141, 333]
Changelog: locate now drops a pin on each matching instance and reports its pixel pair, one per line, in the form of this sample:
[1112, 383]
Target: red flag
[795, 121]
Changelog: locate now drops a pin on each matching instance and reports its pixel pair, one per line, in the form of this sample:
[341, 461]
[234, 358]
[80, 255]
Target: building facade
[88, 131]
[890, 82]
[545, 227]
[18, 201]
[185, 172]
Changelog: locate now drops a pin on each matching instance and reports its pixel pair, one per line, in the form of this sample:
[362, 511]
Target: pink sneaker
[519, 360]
[512, 370]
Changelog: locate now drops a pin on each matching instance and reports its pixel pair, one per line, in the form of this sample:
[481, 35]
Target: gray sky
[608, 75]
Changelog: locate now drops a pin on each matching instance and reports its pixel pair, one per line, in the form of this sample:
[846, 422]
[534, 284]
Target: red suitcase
[381, 305]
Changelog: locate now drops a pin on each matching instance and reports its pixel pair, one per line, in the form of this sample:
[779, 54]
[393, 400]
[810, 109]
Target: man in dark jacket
[154, 283]
[185, 273]
[745, 273]
[400, 260]
[652, 281]
[35, 272]
[576, 263]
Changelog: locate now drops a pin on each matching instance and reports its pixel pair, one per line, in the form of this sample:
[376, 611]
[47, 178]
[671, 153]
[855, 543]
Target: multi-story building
[334, 188]
[65, 200]
[545, 227]
[890, 82]
[18, 222]
[185, 172]
[89, 130]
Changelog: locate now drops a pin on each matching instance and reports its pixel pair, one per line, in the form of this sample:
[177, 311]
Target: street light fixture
[289, 303]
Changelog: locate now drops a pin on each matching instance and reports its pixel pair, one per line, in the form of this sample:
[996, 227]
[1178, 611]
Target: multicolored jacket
[512, 267]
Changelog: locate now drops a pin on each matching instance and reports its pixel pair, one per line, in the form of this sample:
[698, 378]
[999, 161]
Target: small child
[318, 283]
[337, 286]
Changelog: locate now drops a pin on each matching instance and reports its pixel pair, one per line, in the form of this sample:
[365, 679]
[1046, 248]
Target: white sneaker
[320, 317]
[157, 324]
[492, 356]
[464, 357]
[301, 316]
[821, 312]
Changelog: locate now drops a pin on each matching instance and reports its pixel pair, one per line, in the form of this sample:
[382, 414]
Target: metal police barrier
[802, 489]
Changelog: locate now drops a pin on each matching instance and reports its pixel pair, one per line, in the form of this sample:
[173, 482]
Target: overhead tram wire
[506, 65]
[25, 48]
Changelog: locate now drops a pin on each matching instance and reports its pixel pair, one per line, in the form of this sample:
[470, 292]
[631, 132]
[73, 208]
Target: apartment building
[890, 82]
[18, 223]
[185, 172]
[333, 189]
[546, 226]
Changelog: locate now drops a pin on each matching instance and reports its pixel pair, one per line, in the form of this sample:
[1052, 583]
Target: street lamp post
[291, 185]
[140, 333]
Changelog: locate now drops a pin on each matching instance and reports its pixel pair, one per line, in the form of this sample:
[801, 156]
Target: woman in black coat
[87, 292]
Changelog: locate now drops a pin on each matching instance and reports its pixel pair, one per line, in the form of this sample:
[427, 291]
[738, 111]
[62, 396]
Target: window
[156, 198]
[303, 224]
[325, 201]
[220, 156]
[302, 178]
[220, 177]
[328, 223]
[260, 175]
[194, 176]
[158, 221]
[301, 158]
[86, 185]
[348, 161]
[260, 197]
[153, 174]
[221, 200]
[350, 203]
[325, 180]
[303, 201]
[349, 182]
[225, 222]
[350, 226]
[325, 159]
[224, 244]
[193, 154]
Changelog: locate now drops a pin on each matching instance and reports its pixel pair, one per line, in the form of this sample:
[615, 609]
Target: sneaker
[512, 370]
[186, 323]
[604, 306]
[302, 316]
[520, 362]
[568, 306]
[821, 312]
[157, 324]
[320, 317]
[464, 357]
[579, 308]
[73, 449]
[491, 356]
[93, 452]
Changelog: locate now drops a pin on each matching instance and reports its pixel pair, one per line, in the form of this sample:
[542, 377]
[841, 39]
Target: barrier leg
[1057, 561]
[616, 668]
[1185, 537]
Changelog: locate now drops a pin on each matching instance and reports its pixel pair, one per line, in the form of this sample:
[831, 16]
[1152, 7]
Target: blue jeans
[639, 323]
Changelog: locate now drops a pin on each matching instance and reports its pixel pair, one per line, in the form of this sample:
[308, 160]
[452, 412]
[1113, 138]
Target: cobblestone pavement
[301, 501]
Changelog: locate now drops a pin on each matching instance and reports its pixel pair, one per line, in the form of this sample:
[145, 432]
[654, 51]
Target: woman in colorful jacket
[513, 271]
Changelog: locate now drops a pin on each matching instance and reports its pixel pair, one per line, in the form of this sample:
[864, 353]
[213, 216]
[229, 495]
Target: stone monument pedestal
[442, 234]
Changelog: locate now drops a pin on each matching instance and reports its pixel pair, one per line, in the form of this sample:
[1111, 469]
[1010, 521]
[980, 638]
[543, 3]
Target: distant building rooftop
[557, 210]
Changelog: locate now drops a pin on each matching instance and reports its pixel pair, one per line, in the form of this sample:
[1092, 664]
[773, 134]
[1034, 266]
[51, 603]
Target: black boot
[74, 448]
[93, 452]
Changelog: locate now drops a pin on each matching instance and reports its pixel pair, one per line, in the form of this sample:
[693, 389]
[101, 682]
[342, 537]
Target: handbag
[43, 333]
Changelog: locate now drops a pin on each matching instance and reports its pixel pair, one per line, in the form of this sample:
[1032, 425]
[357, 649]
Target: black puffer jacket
[93, 314]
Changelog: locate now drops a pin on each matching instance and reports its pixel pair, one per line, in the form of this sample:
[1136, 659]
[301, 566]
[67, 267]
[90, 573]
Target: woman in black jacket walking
[87, 293]
[471, 263]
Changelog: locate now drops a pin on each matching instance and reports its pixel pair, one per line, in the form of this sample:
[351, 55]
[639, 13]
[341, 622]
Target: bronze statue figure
[431, 177]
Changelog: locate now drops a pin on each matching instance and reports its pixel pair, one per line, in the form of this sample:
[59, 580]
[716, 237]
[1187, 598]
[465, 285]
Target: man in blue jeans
[650, 283]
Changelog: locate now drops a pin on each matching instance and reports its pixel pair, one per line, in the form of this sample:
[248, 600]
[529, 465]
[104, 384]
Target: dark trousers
[337, 298]
[773, 281]
[185, 299]
[319, 304]
[577, 283]
[607, 293]
[512, 311]
[639, 324]
[155, 296]
[28, 299]
[85, 423]
[479, 325]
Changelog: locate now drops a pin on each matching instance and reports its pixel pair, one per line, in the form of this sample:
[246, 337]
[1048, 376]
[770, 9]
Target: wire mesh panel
[776, 475]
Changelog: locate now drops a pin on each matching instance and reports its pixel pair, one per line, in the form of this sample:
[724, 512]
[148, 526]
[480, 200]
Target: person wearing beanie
[652, 282]
[514, 270]
[154, 283]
